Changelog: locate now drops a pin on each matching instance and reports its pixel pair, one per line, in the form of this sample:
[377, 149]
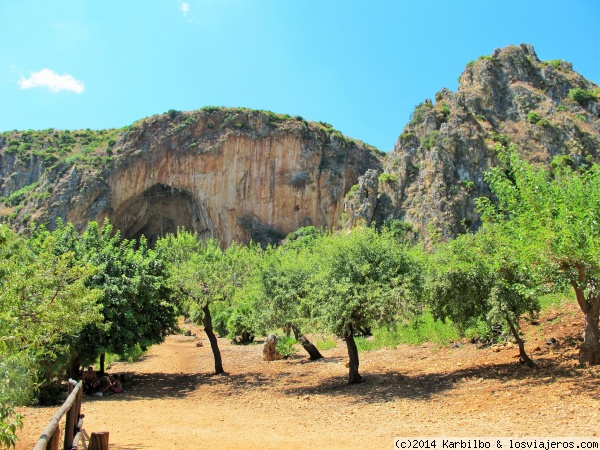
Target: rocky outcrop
[362, 199]
[230, 174]
[436, 170]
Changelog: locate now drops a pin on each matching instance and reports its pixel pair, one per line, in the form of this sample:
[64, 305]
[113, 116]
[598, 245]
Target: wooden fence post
[70, 421]
[99, 441]
[54, 439]
[51, 432]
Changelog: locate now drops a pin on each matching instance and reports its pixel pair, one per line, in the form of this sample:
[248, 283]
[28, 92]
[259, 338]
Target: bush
[543, 123]
[285, 346]
[406, 136]
[430, 140]
[500, 138]
[556, 63]
[352, 191]
[445, 109]
[419, 113]
[467, 184]
[134, 353]
[210, 109]
[533, 117]
[173, 113]
[399, 229]
[18, 196]
[220, 316]
[581, 96]
[389, 179]
[240, 324]
[10, 422]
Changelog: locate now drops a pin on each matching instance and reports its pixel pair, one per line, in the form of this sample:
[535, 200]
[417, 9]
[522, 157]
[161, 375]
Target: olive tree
[285, 292]
[362, 278]
[194, 267]
[559, 211]
[201, 273]
[483, 276]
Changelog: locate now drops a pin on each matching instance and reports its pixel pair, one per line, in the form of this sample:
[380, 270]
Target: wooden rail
[50, 438]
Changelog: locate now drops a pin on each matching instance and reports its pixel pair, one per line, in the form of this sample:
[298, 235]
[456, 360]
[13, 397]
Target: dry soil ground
[173, 400]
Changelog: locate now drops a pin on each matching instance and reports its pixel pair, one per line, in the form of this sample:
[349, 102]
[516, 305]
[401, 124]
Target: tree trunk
[523, 356]
[353, 375]
[589, 353]
[312, 351]
[287, 330]
[73, 368]
[208, 328]
[102, 360]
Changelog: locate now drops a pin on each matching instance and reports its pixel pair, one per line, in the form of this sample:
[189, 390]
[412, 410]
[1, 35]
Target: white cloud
[185, 8]
[52, 81]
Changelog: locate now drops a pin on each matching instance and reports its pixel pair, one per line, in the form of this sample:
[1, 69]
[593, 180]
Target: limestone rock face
[230, 174]
[507, 98]
[362, 199]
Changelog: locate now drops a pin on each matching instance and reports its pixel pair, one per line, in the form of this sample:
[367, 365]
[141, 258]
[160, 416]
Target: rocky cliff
[545, 109]
[231, 174]
[238, 174]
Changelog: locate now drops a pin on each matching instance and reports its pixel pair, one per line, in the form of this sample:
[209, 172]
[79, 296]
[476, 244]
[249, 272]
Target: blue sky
[360, 65]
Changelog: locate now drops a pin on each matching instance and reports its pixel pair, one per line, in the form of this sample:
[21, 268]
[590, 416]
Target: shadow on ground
[155, 385]
[295, 380]
[390, 385]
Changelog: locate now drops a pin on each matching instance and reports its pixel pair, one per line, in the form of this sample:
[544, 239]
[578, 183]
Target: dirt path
[173, 400]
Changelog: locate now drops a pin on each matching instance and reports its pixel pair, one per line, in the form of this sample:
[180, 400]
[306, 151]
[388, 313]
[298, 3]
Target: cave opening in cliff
[157, 211]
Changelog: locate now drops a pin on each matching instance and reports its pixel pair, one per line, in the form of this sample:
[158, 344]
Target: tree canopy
[44, 301]
[483, 277]
[362, 278]
[558, 214]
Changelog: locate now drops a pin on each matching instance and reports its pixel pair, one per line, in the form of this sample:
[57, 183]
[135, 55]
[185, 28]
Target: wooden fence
[50, 438]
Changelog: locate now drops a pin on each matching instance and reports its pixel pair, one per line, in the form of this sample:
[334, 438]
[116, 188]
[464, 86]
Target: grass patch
[551, 301]
[326, 344]
[425, 329]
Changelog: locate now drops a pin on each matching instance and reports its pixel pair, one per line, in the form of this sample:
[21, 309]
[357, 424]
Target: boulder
[270, 352]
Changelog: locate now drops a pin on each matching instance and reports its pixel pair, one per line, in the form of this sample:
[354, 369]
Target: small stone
[572, 373]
